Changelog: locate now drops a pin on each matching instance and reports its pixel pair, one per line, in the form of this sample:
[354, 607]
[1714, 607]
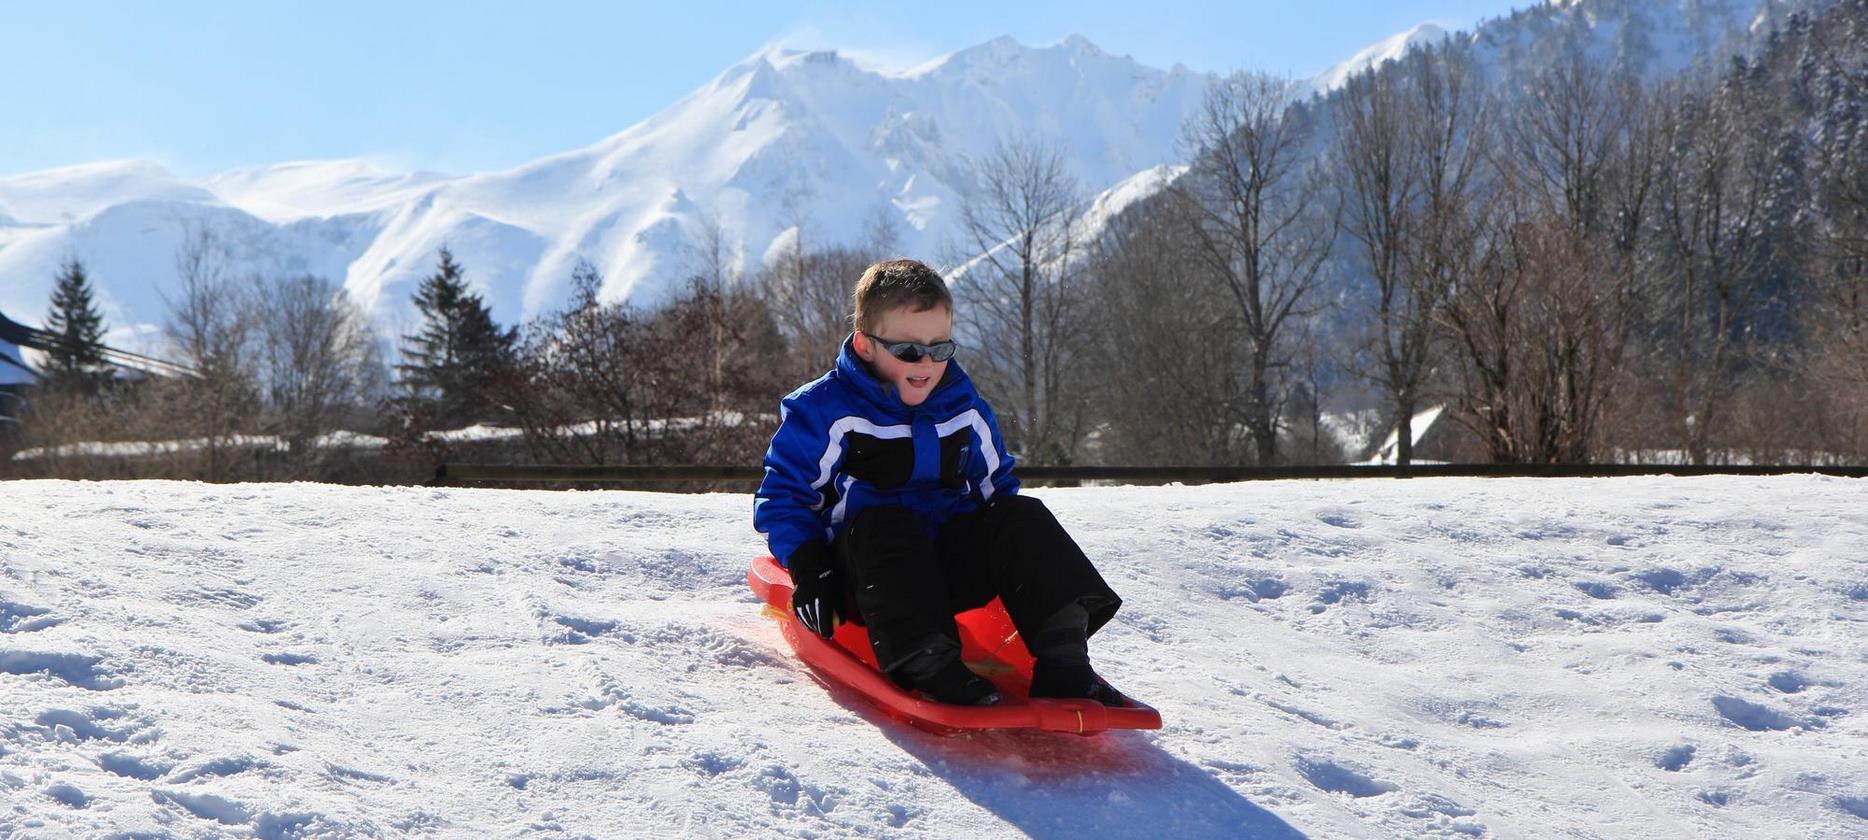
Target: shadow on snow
[1112, 785]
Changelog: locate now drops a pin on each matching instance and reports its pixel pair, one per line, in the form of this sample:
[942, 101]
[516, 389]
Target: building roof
[14, 369]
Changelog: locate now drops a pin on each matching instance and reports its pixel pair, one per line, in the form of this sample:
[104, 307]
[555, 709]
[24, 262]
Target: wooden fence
[559, 474]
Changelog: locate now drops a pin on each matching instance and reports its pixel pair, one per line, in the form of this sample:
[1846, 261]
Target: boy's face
[912, 380]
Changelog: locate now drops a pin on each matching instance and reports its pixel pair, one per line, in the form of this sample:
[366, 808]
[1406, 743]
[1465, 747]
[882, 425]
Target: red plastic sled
[988, 643]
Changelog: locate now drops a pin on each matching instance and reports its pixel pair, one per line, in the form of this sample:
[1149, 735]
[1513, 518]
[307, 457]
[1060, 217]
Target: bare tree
[1564, 138]
[712, 255]
[715, 277]
[1377, 177]
[1166, 393]
[810, 298]
[1588, 154]
[1839, 341]
[571, 396]
[1448, 135]
[1713, 213]
[607, 384]
[882, 231]
[1311, 361]
[211, 327]
[1409, 161]
[1260, 224]
[319, 364]
[808, 291]
[1538, 348]
[1545, 319]
[1020, 289]
[1838, 338]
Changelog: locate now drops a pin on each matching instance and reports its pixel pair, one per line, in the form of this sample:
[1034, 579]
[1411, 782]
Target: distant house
[1423, 424]
[15, 374]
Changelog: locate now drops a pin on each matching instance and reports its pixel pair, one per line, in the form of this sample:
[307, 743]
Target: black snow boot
[936, 671]
[1062, 649]
[1065, 679]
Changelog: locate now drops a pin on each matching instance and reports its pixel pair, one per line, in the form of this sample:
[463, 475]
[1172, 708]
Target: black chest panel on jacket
[888, 463]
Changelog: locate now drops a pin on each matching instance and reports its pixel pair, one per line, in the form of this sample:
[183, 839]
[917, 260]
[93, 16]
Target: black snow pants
[907, 589]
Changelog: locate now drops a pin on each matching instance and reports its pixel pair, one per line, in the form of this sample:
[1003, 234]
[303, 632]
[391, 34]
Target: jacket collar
[952, 393]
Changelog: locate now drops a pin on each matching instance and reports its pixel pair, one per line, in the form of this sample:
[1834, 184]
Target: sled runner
[988, 644]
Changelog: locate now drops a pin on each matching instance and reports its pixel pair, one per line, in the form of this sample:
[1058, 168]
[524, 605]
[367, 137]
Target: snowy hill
[1629, 658]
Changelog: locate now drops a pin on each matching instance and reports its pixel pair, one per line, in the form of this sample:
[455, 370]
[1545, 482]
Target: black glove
[817, 591]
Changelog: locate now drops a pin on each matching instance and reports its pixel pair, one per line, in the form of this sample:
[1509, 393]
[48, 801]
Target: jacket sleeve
[785, 507]
[990, 470]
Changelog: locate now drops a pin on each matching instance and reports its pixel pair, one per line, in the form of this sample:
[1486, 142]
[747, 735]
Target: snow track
[1455, 658]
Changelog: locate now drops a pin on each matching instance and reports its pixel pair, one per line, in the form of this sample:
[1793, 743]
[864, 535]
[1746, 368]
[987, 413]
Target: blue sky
[470, 85]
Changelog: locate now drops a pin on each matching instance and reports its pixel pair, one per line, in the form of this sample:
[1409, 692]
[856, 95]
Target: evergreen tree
[451, 362]
[77, 363]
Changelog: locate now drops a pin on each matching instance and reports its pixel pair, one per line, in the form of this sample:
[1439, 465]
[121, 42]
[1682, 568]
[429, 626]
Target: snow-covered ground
[1514, 658]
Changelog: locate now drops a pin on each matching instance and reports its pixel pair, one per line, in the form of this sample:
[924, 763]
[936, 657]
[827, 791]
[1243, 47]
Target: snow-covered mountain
[1375, 55]
[781, 140]
[1652, 39]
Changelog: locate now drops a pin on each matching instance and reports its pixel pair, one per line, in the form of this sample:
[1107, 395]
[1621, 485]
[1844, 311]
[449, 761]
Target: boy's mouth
[919, 381]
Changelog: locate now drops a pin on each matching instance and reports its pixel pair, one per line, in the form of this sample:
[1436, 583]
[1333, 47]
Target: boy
[889, 496]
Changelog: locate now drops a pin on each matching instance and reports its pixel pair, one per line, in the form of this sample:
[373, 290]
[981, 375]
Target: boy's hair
[895, 283]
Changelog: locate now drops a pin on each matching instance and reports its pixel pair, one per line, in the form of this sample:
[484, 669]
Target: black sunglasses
[911, 352]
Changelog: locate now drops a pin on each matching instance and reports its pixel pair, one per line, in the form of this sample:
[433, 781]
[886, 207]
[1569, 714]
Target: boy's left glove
[817, 593]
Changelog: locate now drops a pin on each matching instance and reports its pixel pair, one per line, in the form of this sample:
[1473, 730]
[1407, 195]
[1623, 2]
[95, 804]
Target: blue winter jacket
[846, 442]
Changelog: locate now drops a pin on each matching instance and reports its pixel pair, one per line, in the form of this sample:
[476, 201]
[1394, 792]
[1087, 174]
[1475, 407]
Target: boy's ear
[863, 346]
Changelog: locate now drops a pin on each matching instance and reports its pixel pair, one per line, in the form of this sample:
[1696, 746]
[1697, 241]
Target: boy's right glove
[817, 593]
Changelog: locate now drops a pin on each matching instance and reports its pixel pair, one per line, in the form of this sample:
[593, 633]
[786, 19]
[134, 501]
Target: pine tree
[77, 363]
[451, 362]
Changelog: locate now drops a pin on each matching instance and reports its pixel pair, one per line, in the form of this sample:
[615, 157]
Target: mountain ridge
[781, 138]
[784, 145]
